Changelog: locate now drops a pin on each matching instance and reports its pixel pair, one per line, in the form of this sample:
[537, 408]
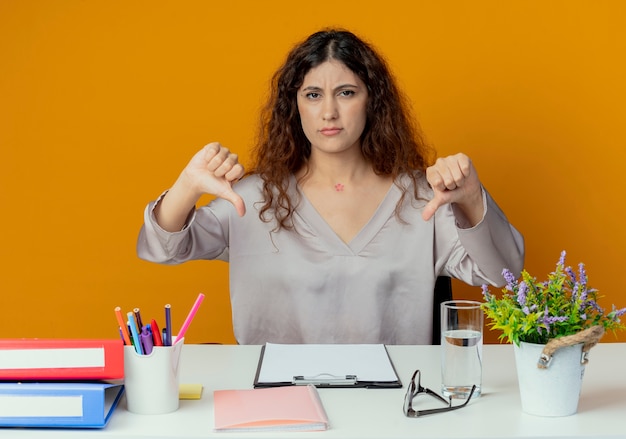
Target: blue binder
[58, 404]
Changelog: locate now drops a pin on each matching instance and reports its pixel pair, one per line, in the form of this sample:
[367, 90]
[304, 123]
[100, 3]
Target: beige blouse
[308, 286]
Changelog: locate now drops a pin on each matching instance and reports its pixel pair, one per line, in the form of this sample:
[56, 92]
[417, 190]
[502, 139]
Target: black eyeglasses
[415, 389]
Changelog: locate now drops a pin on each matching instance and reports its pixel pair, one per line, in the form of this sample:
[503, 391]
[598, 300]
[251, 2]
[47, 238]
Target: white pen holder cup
[152, 381]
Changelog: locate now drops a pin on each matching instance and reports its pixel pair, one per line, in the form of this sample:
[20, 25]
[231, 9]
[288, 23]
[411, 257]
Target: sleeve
[483, 251]
[204, 236]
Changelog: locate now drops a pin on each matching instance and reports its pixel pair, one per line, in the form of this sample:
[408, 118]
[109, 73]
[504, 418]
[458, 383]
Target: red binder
[61, 359]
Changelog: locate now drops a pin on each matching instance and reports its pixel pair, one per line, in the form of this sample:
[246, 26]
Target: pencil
[138, 317]
[123, 327]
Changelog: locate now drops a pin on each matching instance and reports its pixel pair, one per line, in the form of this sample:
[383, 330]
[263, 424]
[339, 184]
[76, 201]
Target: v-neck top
[307, 213]
[307, 285]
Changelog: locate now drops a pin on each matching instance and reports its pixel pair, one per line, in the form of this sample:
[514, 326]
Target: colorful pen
[168, 326]
[135, 332]
[130, 333]
[146, 340]
[123, 328]
[189, 318]
[156, 333]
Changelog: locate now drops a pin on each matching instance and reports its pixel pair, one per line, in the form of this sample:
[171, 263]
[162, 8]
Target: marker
[146, 340]
[168, 325]
[123, 328]
[135, 332]
[190, 316]
[156, 333]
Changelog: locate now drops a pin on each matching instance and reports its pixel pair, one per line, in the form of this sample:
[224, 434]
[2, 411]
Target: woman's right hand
[212, 170]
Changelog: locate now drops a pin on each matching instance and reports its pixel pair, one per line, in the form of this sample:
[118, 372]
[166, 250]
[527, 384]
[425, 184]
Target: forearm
[471, 211]
[173, 210]
[494, 244]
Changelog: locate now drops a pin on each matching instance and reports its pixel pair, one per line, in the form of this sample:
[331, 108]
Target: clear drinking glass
[461, 348]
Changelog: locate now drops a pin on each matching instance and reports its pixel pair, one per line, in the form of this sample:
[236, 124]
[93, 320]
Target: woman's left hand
[454, 180]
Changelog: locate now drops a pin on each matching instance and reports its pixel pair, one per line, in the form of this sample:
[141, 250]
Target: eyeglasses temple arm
[419, 413]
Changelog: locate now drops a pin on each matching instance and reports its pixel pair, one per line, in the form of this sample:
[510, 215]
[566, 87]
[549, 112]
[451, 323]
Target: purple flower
[554, 319]
[548, 320]
[593, 304]
[511, 281]
[617, 313]
[571, 274]
[561, 259]
[575, 289]
[582, 274]
[486, 294]
[521, 293]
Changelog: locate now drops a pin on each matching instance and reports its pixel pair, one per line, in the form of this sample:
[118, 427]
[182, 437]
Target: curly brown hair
[391, 140]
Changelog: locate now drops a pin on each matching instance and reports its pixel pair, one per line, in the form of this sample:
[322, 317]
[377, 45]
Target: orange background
[103, 102]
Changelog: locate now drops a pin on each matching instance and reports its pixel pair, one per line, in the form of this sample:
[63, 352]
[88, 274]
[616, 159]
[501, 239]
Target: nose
[329, 109]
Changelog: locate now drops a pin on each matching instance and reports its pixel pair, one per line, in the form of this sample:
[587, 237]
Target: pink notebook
[271, 409]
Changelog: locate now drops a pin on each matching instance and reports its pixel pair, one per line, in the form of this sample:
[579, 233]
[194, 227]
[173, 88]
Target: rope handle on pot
[589, 337]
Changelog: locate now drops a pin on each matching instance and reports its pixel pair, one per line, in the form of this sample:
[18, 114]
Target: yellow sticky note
[189, 391]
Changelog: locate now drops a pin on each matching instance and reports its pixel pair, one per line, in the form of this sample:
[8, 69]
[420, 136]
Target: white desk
[377, 413]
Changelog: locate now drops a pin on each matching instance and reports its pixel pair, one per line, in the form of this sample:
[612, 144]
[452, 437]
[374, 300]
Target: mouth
[330, 131]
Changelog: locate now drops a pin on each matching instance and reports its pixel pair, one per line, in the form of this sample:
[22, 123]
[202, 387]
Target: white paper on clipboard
[368, 362]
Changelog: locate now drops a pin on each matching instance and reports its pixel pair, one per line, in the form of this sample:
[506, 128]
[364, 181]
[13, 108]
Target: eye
[312, 95]
[346, 93]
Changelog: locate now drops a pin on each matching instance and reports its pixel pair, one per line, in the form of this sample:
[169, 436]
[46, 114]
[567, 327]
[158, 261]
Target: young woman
[340, 229]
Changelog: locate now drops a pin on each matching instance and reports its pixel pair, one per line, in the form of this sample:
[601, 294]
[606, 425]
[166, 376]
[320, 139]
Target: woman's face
[332, 103]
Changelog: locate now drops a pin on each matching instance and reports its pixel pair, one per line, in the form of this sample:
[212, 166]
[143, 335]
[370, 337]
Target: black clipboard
[322, 378]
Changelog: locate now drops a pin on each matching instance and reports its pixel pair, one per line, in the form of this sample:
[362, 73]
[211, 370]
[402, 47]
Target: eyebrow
[339, 87]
